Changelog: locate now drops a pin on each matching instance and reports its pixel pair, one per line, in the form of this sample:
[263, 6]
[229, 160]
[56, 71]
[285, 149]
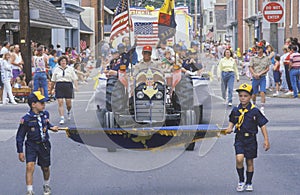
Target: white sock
[47, 182]
[29, 188]
[62, 117]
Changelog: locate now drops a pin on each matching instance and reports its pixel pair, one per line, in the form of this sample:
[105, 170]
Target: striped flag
[166, 20]
[120, 24]
[145, 30]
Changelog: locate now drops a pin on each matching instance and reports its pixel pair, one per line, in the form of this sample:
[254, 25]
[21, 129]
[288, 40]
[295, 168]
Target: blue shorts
[40, 151]
[246, 145]
[276, 75]
[259, 85]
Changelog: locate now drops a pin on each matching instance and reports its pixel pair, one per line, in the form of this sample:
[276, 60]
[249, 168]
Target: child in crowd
[276, 74]
[246, 118]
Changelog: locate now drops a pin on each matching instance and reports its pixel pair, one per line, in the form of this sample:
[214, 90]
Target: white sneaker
[249, 187]
[69, 115]
[289, 93]
[240, 187]
[62, 121]
[29, 193]
[14, 103]
[229, 104]
[47, 190]
[276, 94]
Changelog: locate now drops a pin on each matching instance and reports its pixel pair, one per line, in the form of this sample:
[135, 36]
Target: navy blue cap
[36, 97]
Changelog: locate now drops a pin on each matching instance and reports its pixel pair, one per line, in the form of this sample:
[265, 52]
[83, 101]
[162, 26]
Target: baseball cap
[147, 48]
[260, 44]
[245, 87]
[36, 97]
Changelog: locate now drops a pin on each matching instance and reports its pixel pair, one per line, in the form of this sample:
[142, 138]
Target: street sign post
[273, 12]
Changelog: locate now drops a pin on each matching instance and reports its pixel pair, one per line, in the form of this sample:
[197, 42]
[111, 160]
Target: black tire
[116, 98]
[184, 93]
[189, 119]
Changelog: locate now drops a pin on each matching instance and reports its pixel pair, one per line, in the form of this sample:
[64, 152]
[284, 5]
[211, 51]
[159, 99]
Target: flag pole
[129, 24]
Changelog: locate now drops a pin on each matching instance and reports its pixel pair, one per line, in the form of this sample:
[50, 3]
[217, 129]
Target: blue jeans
[40, 80]
[227, 82]
[294, 76]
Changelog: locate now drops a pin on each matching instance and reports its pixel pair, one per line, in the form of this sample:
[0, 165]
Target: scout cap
[147, 48]
[36, 97]
[245, 87]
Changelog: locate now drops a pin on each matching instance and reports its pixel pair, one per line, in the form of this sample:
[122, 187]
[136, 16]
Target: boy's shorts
[38, 150]
[259, 85]
[276, 75]
[246, 145]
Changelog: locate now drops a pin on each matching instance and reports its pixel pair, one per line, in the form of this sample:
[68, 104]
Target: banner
[166, 20]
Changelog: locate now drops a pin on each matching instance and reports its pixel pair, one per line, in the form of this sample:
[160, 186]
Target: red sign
[273, 12]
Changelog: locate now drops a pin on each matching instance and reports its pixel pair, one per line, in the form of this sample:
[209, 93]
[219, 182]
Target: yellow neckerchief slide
[243, 111]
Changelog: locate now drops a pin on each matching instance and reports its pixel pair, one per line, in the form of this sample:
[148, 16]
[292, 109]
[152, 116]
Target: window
[211, 19]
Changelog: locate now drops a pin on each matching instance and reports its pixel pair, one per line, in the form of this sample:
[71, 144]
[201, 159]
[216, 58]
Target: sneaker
[62, 121]
[249, 187]
[229, 104]
[14, 103]
[69, 116]
[47, 190]
[289, 93]
[276, 94]
[29, 193]
[240, 187]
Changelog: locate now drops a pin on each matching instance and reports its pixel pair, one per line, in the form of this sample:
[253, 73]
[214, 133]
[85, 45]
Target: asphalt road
[210, 169]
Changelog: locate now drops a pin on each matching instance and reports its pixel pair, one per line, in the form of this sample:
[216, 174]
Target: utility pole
[196, 16]
[274, 35]
[25, 37]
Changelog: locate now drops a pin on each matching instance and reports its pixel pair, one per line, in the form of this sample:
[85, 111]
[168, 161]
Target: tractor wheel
[184, 93]
[189, 119]
[116, 98]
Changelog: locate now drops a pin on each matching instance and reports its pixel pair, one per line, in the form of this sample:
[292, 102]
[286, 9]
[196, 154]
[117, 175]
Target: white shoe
[47, 190]
[240, 187]
[276, 94]
[14, 103]
[249, 187]
[62, 121]
[289, 93]
[30, 193]
[69, 115]
[229, 104]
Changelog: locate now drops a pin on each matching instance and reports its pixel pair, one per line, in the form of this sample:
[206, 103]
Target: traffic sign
[273, 12]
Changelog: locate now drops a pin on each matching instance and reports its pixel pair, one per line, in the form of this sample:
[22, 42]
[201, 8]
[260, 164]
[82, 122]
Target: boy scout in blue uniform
[246, 118]
[35, 124]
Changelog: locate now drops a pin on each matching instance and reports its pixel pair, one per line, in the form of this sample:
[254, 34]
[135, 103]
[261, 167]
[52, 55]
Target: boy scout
[246, 118]
[35, 125]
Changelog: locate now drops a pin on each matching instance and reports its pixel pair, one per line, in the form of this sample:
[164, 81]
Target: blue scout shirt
[252, 119]
[30, 126]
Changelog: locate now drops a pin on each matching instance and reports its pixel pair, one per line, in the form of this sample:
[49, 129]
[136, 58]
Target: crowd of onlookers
[44, 60]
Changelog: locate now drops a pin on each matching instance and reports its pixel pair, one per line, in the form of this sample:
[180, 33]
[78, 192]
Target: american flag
[146, 33]
[120, 24]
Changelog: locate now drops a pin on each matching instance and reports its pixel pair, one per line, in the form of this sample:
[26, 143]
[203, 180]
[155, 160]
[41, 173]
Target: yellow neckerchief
[243, 111]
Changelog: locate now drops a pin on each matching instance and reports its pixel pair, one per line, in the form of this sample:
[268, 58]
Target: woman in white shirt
[63, 78]
[6, 74]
